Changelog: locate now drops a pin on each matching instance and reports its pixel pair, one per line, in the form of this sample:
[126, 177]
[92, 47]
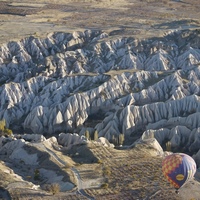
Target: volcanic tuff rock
[32, 153]
[103, 141]
[88, 80]
[147, 144]
[68, 140]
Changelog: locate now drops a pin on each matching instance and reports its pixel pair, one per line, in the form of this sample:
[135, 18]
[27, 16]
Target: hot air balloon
[178, 168]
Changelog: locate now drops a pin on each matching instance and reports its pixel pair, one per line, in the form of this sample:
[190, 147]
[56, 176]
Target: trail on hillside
[80, 184]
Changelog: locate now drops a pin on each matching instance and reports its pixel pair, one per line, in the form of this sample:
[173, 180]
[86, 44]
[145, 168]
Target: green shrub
[99, 161]
[2, 125]
[36, 175]
[3, 130]
[54, 188]
[104, 185]
[7, 131]
[107, 171]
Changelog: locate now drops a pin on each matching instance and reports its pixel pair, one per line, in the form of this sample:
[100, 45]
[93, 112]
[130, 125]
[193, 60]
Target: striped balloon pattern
[178, 168]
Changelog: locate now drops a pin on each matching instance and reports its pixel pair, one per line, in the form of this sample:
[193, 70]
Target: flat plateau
[140, 19]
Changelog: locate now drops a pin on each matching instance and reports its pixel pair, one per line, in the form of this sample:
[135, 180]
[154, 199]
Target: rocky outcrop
[31, 137]
[103, 141]
[34, 161]
[132, 119]
[150, 146]
[70, 82]
[68, 140]
[9, 146]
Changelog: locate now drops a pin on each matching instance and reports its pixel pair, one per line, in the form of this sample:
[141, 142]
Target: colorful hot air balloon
[178, 168]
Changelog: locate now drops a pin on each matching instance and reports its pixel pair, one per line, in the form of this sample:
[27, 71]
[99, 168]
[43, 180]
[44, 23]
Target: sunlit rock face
[69, 82]
[68, 139]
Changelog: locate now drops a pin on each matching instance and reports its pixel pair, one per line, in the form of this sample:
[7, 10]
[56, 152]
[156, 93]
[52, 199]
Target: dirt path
[62, 163]
[81, 184]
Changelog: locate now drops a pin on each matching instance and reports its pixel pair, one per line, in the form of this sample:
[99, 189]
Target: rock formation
[68, 140]
[69, 82]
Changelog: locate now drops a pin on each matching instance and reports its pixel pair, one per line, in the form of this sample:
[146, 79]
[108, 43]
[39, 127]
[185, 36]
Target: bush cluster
[54, 188]
[3, 130]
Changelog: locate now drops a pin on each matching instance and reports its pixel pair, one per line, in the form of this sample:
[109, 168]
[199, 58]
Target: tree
[36, 174]
[96, 135]
[114, 140]
[168, 146]
[121, 139]
[87, 134]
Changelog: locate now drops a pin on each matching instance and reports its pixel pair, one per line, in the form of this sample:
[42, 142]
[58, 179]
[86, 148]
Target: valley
[94, 94]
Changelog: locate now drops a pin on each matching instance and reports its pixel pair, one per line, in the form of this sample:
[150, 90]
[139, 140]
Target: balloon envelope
[178, 168]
